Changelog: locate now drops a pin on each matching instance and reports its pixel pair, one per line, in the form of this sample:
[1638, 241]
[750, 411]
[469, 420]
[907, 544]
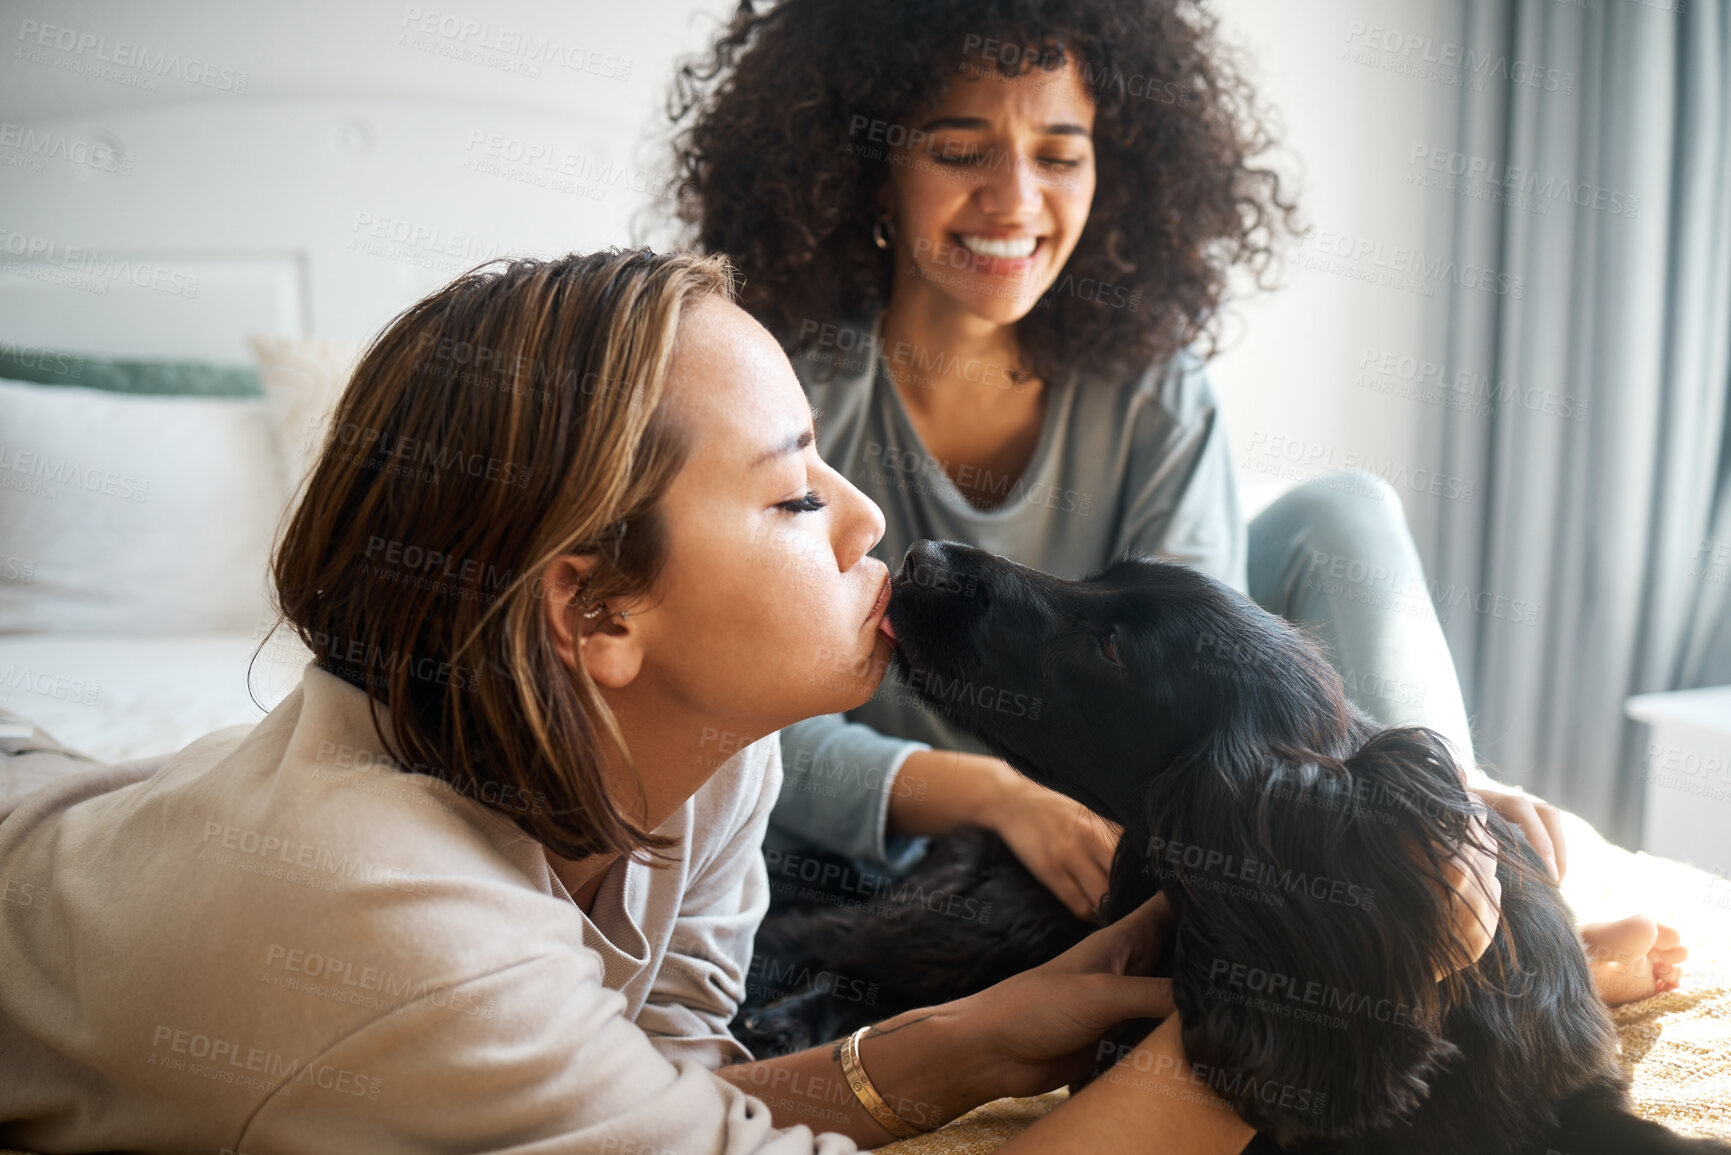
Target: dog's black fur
[1295, 841]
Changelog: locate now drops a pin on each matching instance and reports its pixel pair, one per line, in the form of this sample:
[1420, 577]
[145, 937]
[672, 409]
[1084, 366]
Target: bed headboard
[175, 231]
[118, 302]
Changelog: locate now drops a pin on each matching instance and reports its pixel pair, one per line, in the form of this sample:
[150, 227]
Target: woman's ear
[604, 639]
[886, 200]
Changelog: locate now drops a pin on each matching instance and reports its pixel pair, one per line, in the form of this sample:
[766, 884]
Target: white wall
[1348, 130]
[387, 118]
[352, 123]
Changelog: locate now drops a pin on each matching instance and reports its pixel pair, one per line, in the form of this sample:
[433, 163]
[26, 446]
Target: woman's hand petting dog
[1541, 822]
[1041, 1029]
[1065, 845]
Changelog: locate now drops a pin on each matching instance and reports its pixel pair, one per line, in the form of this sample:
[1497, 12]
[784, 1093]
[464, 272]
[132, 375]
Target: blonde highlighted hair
[514, 416]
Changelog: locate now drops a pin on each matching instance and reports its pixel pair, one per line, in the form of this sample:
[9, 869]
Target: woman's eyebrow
[975, 123]
[788, 445]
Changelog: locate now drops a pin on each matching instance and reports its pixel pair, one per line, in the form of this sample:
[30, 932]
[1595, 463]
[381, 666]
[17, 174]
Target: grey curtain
[1593, 375]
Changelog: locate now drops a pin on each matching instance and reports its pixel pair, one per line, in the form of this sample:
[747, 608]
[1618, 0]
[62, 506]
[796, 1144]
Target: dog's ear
[1314, 919]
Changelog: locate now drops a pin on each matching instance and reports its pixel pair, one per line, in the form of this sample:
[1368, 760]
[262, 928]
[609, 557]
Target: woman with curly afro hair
[994, 237]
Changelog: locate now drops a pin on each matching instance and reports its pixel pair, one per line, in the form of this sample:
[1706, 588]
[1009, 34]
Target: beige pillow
[303, 377]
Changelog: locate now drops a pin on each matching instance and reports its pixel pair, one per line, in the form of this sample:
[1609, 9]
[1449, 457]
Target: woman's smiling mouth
[1000, 248]
[1003, 256]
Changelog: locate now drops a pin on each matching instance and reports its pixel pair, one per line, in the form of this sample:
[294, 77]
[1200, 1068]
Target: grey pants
[1335, 557]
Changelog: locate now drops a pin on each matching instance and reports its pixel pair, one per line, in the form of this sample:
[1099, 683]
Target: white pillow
[303, 378]
[130, 514]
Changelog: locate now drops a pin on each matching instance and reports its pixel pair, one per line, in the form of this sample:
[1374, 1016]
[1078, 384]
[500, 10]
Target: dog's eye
[1109, 648]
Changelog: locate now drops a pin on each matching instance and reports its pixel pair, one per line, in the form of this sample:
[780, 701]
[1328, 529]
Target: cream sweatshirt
[278, 942]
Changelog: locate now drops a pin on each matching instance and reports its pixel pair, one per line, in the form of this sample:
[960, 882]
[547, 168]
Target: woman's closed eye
[810, 503]
[977, 157]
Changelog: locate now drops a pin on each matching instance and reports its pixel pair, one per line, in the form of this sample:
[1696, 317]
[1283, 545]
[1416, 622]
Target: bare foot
[1632, 959]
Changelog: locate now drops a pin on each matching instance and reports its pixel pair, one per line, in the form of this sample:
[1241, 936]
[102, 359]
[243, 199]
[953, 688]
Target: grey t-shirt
[1140, 465]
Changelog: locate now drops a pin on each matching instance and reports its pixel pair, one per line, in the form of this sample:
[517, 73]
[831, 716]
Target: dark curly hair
[765, 172]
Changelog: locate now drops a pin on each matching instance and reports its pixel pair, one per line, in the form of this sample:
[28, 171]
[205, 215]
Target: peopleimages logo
[85, 48]
[774, 979]
[36, 145]
[41, 473]
[61, 687]
[436, 458]
[75, 258]
[1450, 60]
[275, 850]
[1301, 460]
[1275, 989]
[256, 1068]
[1409, 266]
[460, 37]
[1468, 390]
[1541, 188]
[377, 988]
[1170, 857]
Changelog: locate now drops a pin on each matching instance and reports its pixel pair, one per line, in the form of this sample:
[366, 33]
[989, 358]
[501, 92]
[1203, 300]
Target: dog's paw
[768, 1032]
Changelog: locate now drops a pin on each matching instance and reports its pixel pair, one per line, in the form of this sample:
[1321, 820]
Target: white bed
[116, 699]
[129, 618]
[263, 208]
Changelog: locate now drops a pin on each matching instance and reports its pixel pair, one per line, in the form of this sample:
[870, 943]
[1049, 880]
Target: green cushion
[161, 378]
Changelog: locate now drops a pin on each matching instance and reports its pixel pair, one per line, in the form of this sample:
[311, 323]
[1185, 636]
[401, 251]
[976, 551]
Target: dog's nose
[939, 566]
[925, 551]
[924, 561]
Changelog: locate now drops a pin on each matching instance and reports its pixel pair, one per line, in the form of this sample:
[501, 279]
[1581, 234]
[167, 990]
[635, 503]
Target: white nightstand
[1686, 770]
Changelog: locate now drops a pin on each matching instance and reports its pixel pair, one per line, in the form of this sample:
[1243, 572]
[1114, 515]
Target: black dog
[1302, 849]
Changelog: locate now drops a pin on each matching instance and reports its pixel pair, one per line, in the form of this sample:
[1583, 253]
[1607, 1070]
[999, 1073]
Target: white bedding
[119, 698]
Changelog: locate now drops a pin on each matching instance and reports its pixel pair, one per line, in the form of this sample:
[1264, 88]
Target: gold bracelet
[868, 1096]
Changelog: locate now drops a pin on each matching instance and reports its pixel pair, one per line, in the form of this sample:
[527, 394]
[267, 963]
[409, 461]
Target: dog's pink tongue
[885, 628]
